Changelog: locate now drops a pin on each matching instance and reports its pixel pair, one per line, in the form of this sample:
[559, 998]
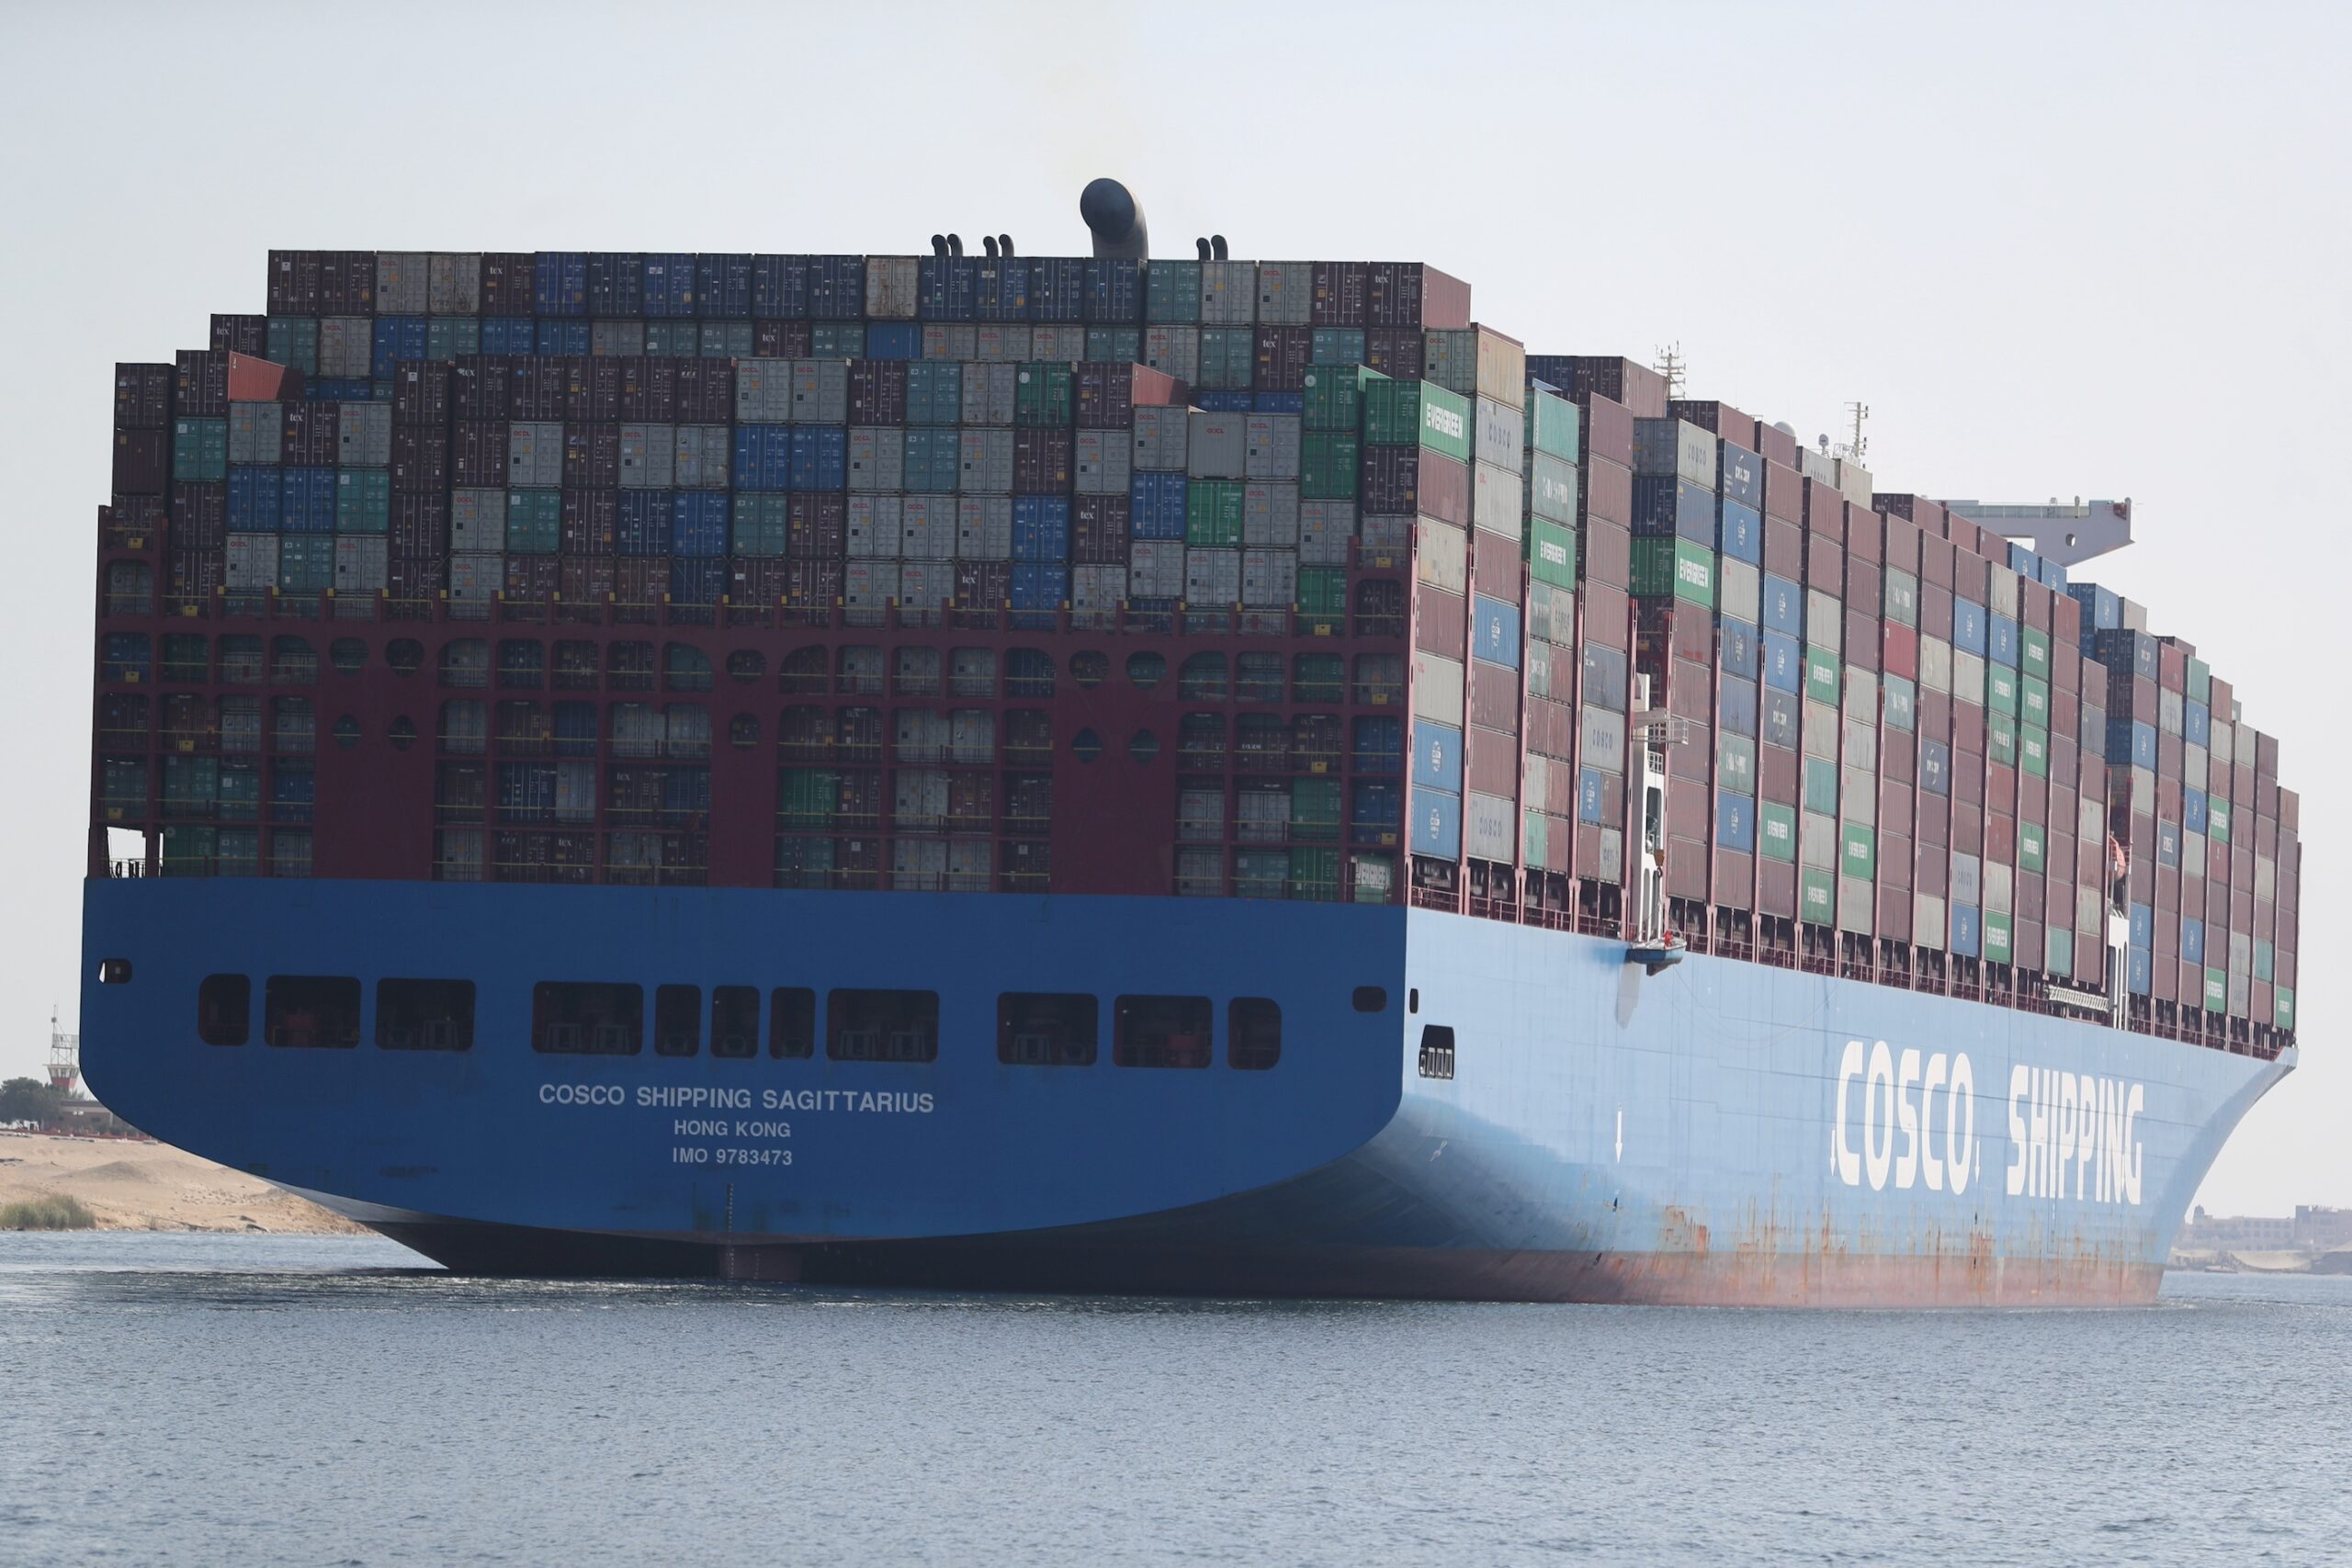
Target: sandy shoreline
[154, 1186]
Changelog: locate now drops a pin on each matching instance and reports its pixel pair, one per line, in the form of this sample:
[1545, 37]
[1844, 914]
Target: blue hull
[1722, 1132]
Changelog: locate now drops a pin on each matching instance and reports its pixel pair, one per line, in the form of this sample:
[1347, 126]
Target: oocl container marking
[2072, 1136]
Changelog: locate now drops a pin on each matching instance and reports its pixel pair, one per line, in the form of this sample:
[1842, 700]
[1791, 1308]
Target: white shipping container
[360, 564]
[1820, 726]
[1501, 435]
[1162, 435]
[1229, 294]
[949, 340]
[1441, 555]
[403, 283]
[454, 283]
[985, 463]
[1100, 462]
[1965, 885]
[1268, 578]
[253, 562]
[1817, 840]
[1490, 827]
[363, 436]
[703, 454]
[1740, 588]
[1999, 885]
[575, 792]
[877, 458]
[1174, 350]
[1389, 533]
[347, 346]
[1212, 577]
[1495, 501]
[1968, 676]
[1600, 736]
[256, 433]
[1271, 451]
[918, 734]
[971, 865]
[1436, 691]
[616, 339]
[1285, 293]
[920, 863]
[1200, 816]
[869, 584]
[1927, 916]
[2005, 591]
[1261, 813]
[1155, 568]
[535, 455]
[1000, 345]
[971, 732]
[1269, 515]
[1935, 665]
[926, 584]
[1097, 587]
[875, 525]
[927, 527]
[1218, 446]
[1853, 482]
[649, 455]
[990, 393]
[1059, 344]
[891, 290]
[1824, 620]
[984, 527]
[477, 519]
[476, 578]
[1324, 529]
[1502, 368]
[763, 391]
[820, 392]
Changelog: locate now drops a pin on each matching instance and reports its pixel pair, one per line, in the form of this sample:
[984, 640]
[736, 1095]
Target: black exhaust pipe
[1115, 217]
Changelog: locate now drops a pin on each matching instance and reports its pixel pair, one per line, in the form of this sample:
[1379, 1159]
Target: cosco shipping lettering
[1107, 772]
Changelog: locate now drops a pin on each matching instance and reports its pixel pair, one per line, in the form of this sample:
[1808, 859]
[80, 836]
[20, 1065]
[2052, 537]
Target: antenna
[1853, 450]
[1674, 367]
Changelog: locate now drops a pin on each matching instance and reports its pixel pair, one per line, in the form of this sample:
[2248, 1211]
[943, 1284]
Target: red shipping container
[1895, 913]
[1608, 554]
[1935, 563]
[1932, 820]
[143, 462]
[1776, 889]
[1776, 445]
[705, 391]
[1825, 563]
[533, 579]
[1041, 460]
[1493, 702]
[1440, 621]
[2000, 839]
[1865, 589]
[1898, 541]
[640, 580]
[1641, 389]
[1861, 639]
[412, 579]
[1934, 613]
[816, 523]
[1609, 435]
[1734, 879]
[759, 579]
[1899, 651]
[1493, 764]
[1341, 293]
[1397, 481]
[1284, 356]
[200, 519]
[480, 386]
[1607, 491]
[1108, 394]
[1967, 830]
[1686, 869]
[1784, 493]
[1783, 549]
[592, 456]
[1608, 617]
[1778, 770]
[479, 457]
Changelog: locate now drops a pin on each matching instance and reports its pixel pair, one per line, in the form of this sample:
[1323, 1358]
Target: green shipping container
[676, 339]
[293, 341]
[446, 337]
[2030, 846]
[1857, 852]
[1261, 874]
[808, 798]
[1315, 874]
[2033, 700]
[2001, 739]
[2200, 679]
[1227, 359]
[1534, 839]
[200, 450]
[2282, 1007]
[1996, 938]
[1328, 460]
[1674, 569]
[2058, 951]
[1172, 292]
[2001, 690]
[240, 790]
[1335, 345]
[1409, 413]
[1776, 831]
[1334, 398]
[827, 340]
[2033, 652]
[2217, 991]
[1314, 809]
[122, 790]
[1552, 552]
[190, 786]
[1042, 393]
[1551, 425]
[363, 501]
[239, 851]
[2033, 751]
[534, 522]
[188, 851]
[763, 523]
[1821, 785]
[1821, 677]
[1816, 897]
[2217, 820]
[306, 563]
[1114, 346]
[935, 392]
[1323, 589]
[1213, 510]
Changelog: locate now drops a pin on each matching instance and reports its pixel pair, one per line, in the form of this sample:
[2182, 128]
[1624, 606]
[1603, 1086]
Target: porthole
[1143, 747]
[1371, 998]
[1086, 746]
[402, 733]
[348, 654]
[405, 655]
[346, 732]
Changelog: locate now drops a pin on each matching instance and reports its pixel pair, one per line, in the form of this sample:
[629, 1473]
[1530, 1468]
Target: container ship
[1107, 772]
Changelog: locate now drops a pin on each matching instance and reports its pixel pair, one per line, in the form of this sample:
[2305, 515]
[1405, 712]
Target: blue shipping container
[256, 499]
[1155, 506]
[2130, 744]
[2144, 925]
[1736, 706]
[2140, 968]
[1493, 632]
[1590, 788]
[509, 334]
[2102, 611]
[698, 580]
[1379, 739]
[1935, 767]
[1279, 402]
[1057, 289]
[397, 338]
[309, 500]
[347, 390]
[560, 283]
[2196, 723]
[1739, 473]
[1039, 586]
[780, 288]
[2001, 640]
[1783, 607]
[1737, 643]
[1967, 933]
[565, 337]
[1436, 823]
[763, 457]
[1740, 532]
[723, 285]
[836, 287]
[615, 283]
[2193, 816]
[1735, 822]
[819, 457]
[1374, 807]
[669, 284]
[1968, 628]
[893, 340]
[1223, 402]
[1041, 529]
[643, 527]
[1783, 662]
[1113, 292]
[1003, 289]
[1437, 756]
[698, 524]
[947, 289]
[2192, 941]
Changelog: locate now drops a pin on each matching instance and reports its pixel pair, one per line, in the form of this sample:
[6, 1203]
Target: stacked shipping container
[1896, 746]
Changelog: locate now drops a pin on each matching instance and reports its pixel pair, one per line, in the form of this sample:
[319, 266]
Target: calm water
[253, 1401]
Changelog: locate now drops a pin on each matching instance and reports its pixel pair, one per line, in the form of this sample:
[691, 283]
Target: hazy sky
[2059, 250]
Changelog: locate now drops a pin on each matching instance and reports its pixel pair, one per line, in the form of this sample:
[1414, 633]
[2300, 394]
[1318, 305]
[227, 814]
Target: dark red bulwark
[429, 572]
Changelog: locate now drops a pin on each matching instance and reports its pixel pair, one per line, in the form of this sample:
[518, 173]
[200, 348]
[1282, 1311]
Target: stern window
[224, 1007]
[1045, 1029]
[1162, 1031]
[310, 1011]
[1253, 1033]
[424, 1015]
[882, 1026]
[587, 1017]
[734, 1021]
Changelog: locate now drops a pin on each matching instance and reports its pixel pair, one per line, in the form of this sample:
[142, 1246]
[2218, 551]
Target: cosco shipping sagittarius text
[1112, 774]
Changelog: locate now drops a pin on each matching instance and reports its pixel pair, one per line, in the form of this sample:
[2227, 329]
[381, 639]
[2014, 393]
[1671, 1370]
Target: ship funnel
[1116, 218]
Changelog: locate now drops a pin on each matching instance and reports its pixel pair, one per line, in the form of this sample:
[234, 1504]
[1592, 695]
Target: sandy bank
[153, 1187]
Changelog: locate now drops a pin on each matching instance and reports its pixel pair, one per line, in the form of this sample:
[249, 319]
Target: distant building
[2323, 1228]
[2258, 1233]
